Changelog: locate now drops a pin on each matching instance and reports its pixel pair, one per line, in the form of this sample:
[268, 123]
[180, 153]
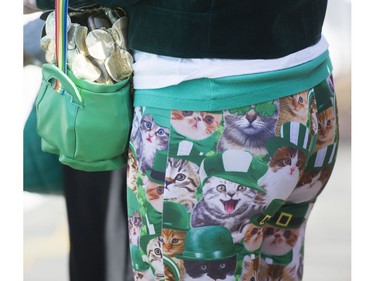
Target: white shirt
[153, 71]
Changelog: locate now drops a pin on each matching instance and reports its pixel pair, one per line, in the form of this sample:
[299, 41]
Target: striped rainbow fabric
[61, 31]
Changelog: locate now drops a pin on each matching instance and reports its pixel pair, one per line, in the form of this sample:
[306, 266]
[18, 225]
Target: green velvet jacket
[237, 29]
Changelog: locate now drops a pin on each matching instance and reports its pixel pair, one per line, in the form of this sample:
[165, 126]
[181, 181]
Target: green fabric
[239, 29]
[133, 204]
[175, 216]
[270, 211]
[224, 29]
[324, 157]
[290, 215]
[160, 116]
[208, 243]
[88, 125]
[203, 145]
[137, 261]
[292, 134]
[278, 260]
[152, 219]
[236, 91]
[222, 165]
[323, 96]
[145, 240]
[42, 171]
[157, 172]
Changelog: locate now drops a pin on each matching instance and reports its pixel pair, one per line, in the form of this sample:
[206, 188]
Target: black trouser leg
[86, 196]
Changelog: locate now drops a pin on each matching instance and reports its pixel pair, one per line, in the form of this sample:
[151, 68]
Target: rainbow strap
[61, 31]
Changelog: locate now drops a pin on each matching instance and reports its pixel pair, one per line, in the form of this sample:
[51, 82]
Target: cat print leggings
[225, 195]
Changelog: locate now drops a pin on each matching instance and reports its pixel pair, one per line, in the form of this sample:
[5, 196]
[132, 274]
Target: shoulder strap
[61, 31]
[61, 14]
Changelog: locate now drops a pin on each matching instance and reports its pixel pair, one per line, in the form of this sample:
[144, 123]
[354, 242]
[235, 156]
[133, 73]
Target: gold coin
[82, 68]
[119, 32]
[100, 44]
[119, 64]
[80, 39]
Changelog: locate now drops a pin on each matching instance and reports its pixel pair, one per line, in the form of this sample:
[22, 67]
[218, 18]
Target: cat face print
[299, 103]
[296, 106]
[227, 197]
[154, 193]
[135, 224]
[182, 181]
[285, 168]
[152, 133]
[173, 241]
[326, 128]
[250, 122]
[195, 125]
[253, 237]
[278, 241]
[155, 256]
[288, 161]
[152, 137]
[248, 130]
[210, 270]
[226, 203]
[293, 108]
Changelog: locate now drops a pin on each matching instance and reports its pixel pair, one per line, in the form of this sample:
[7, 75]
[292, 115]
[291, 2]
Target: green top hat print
[208, 243]
[292, 134]
[323, 95]
[290, 215]
[133, 204]
[324, 157]
[145, 239]
[234, 165]
[268, 213]
[186, 149]
[137, 262]
[159, 115]
[183, 147]
[157, 172]
[175, 216]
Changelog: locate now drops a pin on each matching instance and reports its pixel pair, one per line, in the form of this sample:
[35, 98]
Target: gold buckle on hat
[282, 216]
[266, 218]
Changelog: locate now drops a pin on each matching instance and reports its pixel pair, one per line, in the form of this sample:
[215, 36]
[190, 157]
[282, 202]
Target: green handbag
[42, 172]
[86, 123]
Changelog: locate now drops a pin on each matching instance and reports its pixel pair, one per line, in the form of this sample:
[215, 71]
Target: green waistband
[207, 94]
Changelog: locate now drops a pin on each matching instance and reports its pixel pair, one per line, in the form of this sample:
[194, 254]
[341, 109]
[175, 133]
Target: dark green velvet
[225, 29]
[242, 29]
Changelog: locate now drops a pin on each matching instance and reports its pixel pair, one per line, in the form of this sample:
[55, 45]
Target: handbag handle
[51, 71]
[61, 35]
[60, 71]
